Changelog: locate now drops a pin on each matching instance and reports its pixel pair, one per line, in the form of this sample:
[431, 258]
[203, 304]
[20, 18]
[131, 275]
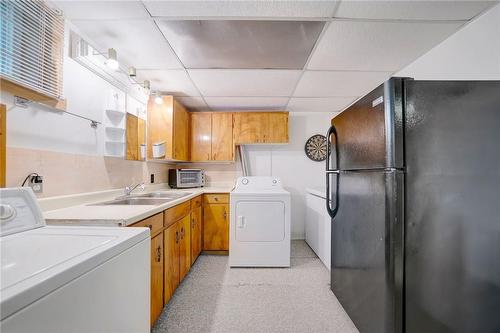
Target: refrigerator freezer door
[452, 280]
[367, 252]
[369, 133]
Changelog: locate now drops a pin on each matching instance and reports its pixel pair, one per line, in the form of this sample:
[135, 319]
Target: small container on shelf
[159, 149]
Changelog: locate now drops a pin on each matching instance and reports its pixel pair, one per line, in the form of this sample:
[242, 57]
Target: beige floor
[216, 298]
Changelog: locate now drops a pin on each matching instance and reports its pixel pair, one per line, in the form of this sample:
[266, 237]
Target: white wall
[87, 94]
[473, 53]
[290, 163]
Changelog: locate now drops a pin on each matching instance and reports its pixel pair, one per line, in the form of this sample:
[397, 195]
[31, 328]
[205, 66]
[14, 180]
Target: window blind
[31, 45]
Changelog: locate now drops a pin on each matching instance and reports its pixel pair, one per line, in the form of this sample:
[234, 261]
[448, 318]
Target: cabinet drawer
[219, 198]
[196, 202]
[175, 213]
[154, 223]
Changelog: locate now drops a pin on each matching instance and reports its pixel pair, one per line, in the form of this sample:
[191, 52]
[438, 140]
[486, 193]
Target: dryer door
[260, 221]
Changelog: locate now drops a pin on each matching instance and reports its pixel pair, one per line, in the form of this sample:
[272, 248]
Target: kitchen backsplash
[65, 173]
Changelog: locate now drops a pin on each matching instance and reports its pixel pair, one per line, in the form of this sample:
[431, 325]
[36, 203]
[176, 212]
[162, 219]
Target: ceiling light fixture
[158, 98]
[132, 72]
[147, 87]
[112, 61]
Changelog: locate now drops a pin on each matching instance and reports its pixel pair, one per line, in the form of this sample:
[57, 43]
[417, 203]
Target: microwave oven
[186, 178]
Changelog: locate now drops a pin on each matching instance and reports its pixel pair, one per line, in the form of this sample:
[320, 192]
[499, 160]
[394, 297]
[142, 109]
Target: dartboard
[316, 148]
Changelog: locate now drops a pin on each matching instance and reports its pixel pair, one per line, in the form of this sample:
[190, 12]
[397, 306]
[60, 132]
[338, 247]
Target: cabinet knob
[216, 199]
[177, 237]
[225, 215]
[149, 226]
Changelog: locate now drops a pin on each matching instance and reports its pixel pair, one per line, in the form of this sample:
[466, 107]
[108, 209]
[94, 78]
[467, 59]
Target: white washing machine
[259, 232]
[70, 279]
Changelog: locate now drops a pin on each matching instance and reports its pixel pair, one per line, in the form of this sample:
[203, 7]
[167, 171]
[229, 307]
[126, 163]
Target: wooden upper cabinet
[212, 136]
[260, 127]
[181, 132]
[222, 137]
[132, 137]
[160, 125]
[168, 123]
[249, 127]
[201, 136]
[277, 128]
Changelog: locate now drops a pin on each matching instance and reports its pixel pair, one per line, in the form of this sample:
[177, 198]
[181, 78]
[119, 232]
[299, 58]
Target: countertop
[117, 215]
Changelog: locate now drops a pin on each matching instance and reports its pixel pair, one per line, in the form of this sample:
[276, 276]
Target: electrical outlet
[152, 178]
[36, 183]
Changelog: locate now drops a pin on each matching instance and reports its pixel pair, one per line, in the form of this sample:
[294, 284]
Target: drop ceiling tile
[241, 8]
[247, 103]
[412, 10]
[102, 10]
[241, 43]
[175, 82]
[251, 82]
[338, 83]
[377, 45]
[193, 103]
[319, 104]
[138, 42]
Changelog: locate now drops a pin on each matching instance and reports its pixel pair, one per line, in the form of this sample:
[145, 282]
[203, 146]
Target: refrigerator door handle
[332, 211]
[331, 130]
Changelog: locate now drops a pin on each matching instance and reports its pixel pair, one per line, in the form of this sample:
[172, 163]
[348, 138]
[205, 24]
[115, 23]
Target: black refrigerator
[413, 185]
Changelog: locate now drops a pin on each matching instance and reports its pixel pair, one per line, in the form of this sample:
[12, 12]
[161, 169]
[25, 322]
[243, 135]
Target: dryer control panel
[258, 183]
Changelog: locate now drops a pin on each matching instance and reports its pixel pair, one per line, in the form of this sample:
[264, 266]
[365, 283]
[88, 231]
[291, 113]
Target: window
[31, 45]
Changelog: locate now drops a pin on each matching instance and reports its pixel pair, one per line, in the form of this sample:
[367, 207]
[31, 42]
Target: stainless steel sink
[133, 201]
[165, 195]
[154, 198]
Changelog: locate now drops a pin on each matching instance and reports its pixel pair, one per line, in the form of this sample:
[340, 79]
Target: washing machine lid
[259, 185]
[38, 261]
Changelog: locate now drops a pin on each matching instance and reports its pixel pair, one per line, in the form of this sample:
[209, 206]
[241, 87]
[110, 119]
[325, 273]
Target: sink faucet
[129, 189]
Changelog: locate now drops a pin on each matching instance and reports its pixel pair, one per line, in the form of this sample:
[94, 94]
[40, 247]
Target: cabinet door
[156, 277]
[160, 125]
[222, 137]
[277, 129]
[249, 127]
[195, 234]
[201, 133]
[184, 227]
[171, 259]
[132, 137]
[216, 227]
[181, 132]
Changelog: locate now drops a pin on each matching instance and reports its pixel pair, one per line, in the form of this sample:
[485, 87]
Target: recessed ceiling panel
[412, 10]
[377, 45]
[247, 103]
[102, 10]
[250, 82]
[242, 44]
[339, 84]
[319, 104]
[174, 82]
[242, 8]
[138, 42]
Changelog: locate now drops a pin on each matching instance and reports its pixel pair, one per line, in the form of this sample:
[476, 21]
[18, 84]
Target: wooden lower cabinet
[216, 226]
[175, 246]
[155, 224]
[184, 227]
[196, 236]
[156, 277]
[171, 261]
